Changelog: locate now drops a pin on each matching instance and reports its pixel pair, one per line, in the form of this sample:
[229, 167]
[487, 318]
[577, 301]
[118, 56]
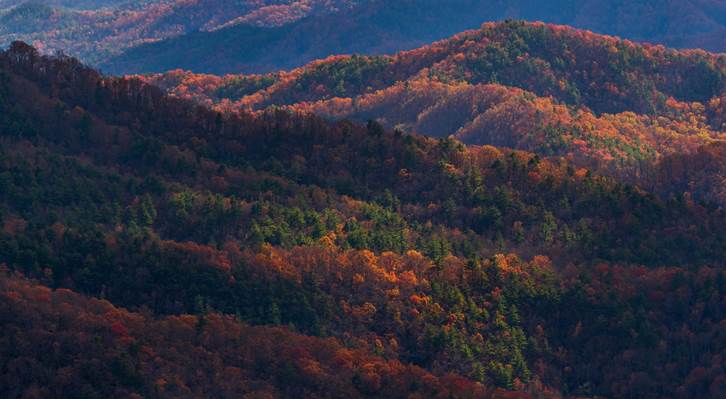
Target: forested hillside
[132, 353]
[252, 36]
[611, 105]
[97, 30]
[279, 255]
[381, 27]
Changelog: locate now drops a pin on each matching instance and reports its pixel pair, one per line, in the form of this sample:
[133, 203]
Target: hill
[131, 354]
[601, 102]
[384, 27]
[245, 36]
[376, 262]
[73, 4]
[96, 30]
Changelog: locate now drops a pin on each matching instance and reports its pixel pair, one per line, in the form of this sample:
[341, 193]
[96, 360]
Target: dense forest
[154, 247]
[109, 351]
[613, 106]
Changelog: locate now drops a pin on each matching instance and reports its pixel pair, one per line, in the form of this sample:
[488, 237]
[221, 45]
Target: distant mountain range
[71, 4]
[233, 36]
[379, 27]
[608, 104]
[97, 30]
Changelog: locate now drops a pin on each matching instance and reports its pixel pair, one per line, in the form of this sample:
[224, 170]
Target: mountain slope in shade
[73, 4]
[107, 28]
[378, 27]
[702, 173]
[528, 274]
[605, 103]
[229, 35]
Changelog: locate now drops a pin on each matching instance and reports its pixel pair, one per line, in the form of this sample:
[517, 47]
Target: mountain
[73, 4]
[96, 31]
[154, 247]
[601, 102]
[246, 36]
[383, 27]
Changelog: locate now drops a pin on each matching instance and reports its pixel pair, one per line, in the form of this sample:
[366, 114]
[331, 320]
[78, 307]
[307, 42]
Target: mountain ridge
[157, 33]
[376, 27]
[420, 256]
[602, 102]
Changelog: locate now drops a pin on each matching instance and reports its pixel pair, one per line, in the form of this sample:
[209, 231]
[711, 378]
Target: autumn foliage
[276, 254]
[607, 104]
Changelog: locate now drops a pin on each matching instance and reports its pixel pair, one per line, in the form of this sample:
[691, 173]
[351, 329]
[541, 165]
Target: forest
[151, 246]
[625, 110]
